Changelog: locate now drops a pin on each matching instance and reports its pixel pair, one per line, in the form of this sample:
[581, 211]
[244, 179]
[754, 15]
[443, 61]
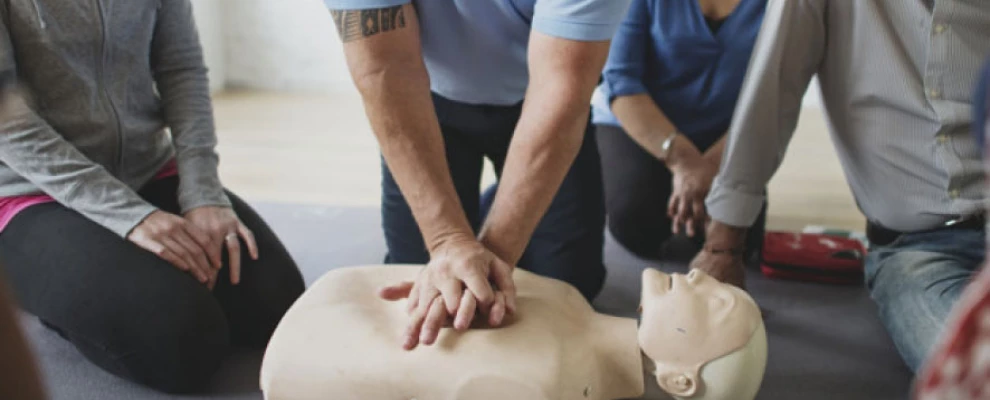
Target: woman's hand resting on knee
[223, 228]
[179, 242]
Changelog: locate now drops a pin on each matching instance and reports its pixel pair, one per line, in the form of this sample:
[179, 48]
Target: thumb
[396, 292]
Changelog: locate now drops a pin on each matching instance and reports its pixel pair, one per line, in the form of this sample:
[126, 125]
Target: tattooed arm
[384, 54]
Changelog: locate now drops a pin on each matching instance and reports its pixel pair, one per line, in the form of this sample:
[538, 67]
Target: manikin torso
[340, 341]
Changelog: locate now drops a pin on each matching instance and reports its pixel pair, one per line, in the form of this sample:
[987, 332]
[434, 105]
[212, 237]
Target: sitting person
[116, 230]
[897, 79]
[667, 97]
[699, 339]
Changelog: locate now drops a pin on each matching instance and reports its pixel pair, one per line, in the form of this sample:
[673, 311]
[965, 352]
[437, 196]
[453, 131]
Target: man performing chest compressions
[701, 339]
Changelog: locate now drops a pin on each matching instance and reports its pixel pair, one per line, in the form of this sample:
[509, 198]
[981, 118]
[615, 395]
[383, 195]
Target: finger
[502, 276]
[689, 227]
[234, 257]
[248, 237]
[434, 320]
[451, 290]
[497, 315]
[396, 292]
[699, 211]
[411, 337]
[206, 243]
[164, 253]
[672, 205]
[465, 313]
[194, 252]
[179, 259]
[212, 283]
[482, 290]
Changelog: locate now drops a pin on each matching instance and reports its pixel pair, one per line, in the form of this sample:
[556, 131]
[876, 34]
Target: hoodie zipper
[37, 11]
[101, 80]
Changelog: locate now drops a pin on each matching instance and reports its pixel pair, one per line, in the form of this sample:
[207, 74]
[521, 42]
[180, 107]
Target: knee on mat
[634, 233]
[185, 351]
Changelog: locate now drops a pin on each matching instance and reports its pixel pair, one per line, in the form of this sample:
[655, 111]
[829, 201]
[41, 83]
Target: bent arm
[32, 149]
[787, 54]
[181, 77]
[388, 69]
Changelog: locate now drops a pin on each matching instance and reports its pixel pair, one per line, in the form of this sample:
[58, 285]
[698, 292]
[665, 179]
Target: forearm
[389, 72]
[547, 139]
[714, 154]
[644, 122]
[542, 151]
[32, 149]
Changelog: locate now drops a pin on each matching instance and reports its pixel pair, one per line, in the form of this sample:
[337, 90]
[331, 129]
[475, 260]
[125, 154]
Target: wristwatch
[667, 144]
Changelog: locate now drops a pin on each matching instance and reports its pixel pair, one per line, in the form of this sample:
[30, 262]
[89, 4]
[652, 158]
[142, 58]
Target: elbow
[373, 77]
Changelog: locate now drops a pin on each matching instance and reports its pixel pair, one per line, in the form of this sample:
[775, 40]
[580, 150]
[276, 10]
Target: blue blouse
[665, 48]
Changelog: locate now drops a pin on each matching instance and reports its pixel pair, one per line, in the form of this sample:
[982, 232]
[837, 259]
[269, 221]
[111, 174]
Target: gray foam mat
[825, 341]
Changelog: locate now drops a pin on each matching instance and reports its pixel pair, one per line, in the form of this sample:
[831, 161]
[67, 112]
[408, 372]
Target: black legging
[133, 314]
[637, 190]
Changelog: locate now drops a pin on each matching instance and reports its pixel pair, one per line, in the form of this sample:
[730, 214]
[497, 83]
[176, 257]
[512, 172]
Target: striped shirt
[897, 81]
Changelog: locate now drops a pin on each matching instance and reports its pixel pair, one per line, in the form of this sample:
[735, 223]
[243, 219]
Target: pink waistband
[11, 206]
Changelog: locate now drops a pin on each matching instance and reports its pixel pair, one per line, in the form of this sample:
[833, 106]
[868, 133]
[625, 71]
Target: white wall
[209, 21]
[288, 45]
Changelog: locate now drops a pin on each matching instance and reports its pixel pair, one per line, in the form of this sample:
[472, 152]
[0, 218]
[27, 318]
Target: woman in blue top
[669, 89]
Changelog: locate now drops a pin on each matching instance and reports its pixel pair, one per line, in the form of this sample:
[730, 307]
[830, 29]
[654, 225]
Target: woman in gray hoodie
[114, 227]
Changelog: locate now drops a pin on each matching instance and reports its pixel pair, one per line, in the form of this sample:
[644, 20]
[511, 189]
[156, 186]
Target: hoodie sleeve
[35, 151]
[181, 77]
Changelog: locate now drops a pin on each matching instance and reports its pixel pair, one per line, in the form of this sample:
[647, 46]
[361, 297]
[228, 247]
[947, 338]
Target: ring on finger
[230, 237]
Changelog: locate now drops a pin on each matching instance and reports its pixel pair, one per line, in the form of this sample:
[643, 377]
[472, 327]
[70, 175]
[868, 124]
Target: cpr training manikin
[698, 339]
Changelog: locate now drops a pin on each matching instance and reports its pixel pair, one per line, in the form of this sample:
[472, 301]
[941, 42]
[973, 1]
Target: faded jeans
[916, 280]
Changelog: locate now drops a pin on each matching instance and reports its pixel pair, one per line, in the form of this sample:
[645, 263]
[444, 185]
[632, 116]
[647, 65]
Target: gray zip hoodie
[119, 88]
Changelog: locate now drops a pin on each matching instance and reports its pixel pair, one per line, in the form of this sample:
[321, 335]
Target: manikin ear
[652, 283]
[680, 384]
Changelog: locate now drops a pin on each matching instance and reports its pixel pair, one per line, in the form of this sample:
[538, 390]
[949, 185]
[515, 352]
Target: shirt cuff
[362, 4]
[617, 85]
[199, 184]
[574, 30]
[734, 207]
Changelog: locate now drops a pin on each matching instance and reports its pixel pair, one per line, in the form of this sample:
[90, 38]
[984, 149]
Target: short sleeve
[363, 4]
[583, 20]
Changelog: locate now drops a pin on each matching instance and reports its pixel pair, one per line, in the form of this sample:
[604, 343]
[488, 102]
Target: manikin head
[706, 339]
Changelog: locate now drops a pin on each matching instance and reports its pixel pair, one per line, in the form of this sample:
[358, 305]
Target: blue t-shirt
[666, 49]
[475, 50]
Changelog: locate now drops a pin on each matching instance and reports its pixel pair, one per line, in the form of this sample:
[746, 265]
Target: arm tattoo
[359, 24]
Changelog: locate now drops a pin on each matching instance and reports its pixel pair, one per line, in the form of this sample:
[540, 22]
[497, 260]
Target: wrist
[505, 250]
[443, 241]
[681, 154]
[724, 239]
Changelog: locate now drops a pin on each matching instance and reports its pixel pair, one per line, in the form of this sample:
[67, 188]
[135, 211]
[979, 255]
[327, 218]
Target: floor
[319, 149]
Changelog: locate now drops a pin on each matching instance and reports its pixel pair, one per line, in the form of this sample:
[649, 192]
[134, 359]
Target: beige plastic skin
[706, 338]
[340, 341]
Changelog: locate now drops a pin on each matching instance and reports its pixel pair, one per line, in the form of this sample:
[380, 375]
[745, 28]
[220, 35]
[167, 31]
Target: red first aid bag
[813, 257]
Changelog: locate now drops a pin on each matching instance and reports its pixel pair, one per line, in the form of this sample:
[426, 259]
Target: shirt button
[942, 139]
[939, 28]
[954, 194]
[934, 93]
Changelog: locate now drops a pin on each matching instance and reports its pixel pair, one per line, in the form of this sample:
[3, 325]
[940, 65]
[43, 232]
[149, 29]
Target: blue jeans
[567, 243]
[916, 280]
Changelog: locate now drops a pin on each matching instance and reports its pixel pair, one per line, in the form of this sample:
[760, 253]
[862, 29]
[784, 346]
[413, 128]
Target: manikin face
[690, 320]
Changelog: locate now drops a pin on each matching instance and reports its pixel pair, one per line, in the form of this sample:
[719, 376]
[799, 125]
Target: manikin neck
[622, 365]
